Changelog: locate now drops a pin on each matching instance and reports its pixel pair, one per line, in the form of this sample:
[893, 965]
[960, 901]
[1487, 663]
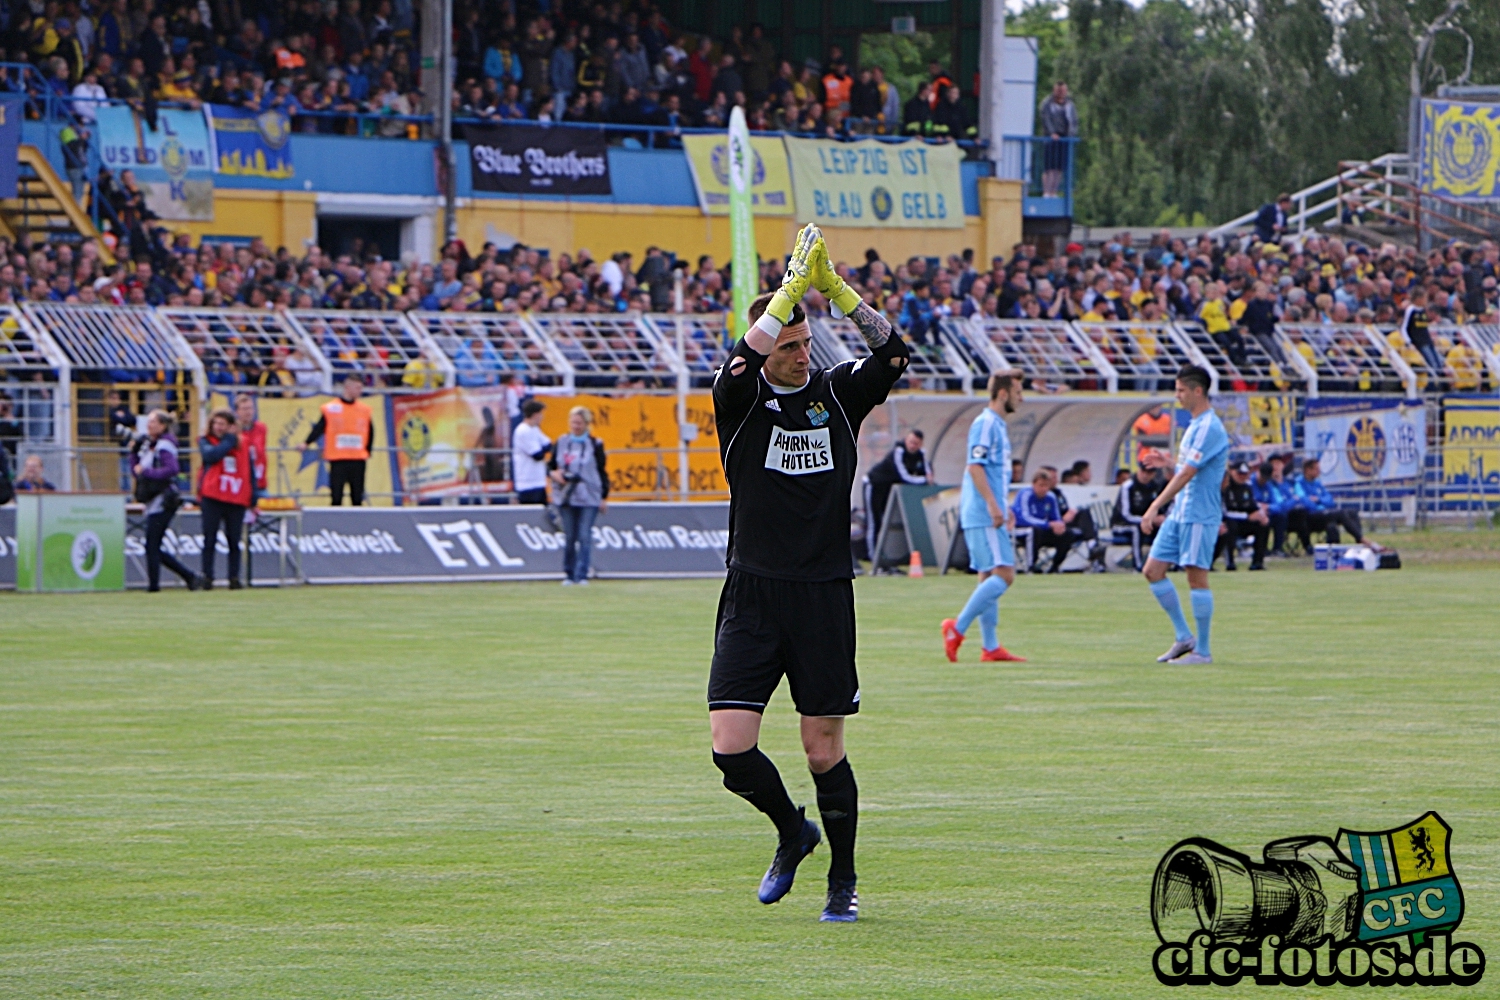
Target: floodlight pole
[992, 77]
[444, 99]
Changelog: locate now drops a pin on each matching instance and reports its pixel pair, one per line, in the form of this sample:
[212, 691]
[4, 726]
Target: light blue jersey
[989, 446]
[1205, 447]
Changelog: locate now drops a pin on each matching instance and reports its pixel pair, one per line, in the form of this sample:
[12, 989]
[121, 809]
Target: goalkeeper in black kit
[788, 434]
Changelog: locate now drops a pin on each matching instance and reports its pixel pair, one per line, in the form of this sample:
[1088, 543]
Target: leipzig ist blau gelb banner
[897, 185]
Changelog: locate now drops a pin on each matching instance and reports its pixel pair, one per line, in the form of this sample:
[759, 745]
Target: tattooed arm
[875, 328]
[869, 381]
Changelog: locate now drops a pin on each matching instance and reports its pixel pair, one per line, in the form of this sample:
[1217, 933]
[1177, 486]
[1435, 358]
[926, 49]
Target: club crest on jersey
[818, 414]
[772, 404]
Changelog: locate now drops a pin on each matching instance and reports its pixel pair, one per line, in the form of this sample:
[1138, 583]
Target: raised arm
[888, 349]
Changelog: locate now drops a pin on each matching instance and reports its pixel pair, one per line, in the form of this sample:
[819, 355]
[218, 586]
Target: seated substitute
[1243, 518]
[1136, 494]
[1036, 508]
[1314, 508]
[1081, 520]
[1274, 495]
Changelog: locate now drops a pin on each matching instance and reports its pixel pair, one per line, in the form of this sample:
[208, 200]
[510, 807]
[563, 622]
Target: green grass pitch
[506, 791]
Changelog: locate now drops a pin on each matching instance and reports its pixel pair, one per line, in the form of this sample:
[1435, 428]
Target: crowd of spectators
[324, 63]
[520, 279]
[1238, 289]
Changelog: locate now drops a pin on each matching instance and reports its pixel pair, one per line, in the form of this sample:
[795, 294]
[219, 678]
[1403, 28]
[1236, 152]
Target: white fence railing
[615, 351]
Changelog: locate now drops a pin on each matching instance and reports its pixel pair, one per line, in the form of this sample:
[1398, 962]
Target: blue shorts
[1185, 544]
[988, 548]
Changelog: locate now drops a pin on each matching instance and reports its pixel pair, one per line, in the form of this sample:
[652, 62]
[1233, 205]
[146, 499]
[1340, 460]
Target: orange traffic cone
[915, 570]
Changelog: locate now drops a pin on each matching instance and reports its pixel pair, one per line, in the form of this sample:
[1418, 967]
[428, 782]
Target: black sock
[838, 804]
[753, 777]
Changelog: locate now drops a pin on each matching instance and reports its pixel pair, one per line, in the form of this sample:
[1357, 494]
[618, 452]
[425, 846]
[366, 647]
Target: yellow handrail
[63, 195]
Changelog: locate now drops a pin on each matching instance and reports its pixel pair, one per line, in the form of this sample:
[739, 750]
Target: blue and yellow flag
[1460, 149]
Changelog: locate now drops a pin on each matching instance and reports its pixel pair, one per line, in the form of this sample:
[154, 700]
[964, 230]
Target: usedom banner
[770, 180]
[896, 185]
[173, 162]
[538, 159]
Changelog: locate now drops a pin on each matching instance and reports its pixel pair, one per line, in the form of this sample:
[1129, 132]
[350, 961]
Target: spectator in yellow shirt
[1467, 367]
[1212, 313]
[421, 373]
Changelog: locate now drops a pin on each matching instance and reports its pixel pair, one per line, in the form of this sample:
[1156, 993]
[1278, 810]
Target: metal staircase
[1380, 201]
[44, 207]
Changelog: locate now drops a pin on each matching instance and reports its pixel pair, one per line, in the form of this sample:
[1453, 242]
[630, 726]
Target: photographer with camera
[580, 491]
[224, 492]
[154, 460]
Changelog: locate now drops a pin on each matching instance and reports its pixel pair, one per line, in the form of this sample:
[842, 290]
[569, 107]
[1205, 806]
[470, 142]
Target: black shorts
[770, 628]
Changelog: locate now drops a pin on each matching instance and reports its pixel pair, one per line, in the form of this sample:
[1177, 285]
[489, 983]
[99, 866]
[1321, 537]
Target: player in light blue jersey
[1190, 530]
[986, 520]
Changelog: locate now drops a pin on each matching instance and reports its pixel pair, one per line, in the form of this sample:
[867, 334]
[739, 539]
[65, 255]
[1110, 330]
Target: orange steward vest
[347, 430]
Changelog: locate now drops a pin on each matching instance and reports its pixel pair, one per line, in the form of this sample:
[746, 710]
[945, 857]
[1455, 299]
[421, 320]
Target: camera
[1303, 891]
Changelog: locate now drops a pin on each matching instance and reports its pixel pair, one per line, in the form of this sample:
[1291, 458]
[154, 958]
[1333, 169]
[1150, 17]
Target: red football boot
[1000, 655]
[952, 639]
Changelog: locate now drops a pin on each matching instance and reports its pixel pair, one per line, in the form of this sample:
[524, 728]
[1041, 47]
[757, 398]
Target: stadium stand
[562, 322]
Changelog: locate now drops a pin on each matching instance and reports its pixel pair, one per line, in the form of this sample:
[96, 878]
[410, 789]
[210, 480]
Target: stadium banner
[11, 113]
[437, 435]
[741, 214]
[1461, 149]
[289, 471]
[174, 162]
[250, 144]
[1257, 424]
[640, 438]
[67, 542]
[536, 159]
[892, 185]
[770, 180]
[1358, 440]
[443, 544]
[1471, 448]
[941, 512]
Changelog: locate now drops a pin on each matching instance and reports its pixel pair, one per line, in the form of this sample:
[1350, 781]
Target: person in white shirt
[529, 448]
[88, 97]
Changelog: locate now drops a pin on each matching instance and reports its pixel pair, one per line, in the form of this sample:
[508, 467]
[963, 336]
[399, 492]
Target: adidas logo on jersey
[772, 404]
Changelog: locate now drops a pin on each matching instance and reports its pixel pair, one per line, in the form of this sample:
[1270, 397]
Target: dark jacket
[1239, 500]
[1270, 222]
[1134, 499]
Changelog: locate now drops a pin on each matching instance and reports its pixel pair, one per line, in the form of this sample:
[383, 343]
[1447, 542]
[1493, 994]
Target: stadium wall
[653, 202]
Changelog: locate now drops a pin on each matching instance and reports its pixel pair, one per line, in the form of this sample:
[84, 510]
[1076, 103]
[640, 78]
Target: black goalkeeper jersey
[790, 458]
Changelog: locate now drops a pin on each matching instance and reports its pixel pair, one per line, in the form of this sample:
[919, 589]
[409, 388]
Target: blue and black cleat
[843, 903]
[789, 854]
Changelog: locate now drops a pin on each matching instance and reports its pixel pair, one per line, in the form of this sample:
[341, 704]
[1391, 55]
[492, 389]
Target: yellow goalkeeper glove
[834, 288]
[799, 274]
